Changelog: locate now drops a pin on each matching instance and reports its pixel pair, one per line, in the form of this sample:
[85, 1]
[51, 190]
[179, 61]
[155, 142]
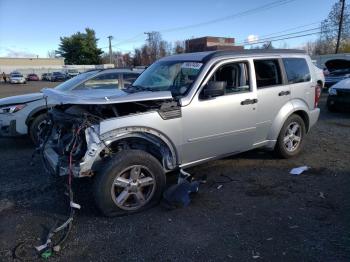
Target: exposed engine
[65, 133]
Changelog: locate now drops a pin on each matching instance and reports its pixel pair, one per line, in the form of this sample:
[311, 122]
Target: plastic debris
[294, 226]
[322, 195]
[298, 170]
[255, 255]
[46, 254]
[219, 186]
[178, 195]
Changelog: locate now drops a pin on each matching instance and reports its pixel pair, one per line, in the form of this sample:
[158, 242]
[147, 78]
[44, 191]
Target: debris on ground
[322, 195]
[219, 187]
[178, 195]
[255, 255]
[298, 170]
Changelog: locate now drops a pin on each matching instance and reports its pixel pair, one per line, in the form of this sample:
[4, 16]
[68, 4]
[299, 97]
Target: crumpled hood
[106, 96]
[343, 84]
[21, 99]
[336, 64]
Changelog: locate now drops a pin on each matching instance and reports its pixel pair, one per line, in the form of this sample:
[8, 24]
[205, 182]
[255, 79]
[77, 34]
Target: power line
[285, 38]
[237, 15]
[266, 39]
[271, 38]
[240, 14]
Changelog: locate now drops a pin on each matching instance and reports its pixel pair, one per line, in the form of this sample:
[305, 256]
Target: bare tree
[329, 30]
[51, 54]
[179, 47]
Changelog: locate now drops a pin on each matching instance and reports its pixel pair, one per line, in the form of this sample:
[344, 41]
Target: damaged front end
[72, 131]
[75, 146]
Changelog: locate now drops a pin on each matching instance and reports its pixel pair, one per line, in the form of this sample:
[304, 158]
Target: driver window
[102, 81]
[236, 75]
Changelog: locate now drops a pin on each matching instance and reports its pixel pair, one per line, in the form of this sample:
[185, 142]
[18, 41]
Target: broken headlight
[11, 108]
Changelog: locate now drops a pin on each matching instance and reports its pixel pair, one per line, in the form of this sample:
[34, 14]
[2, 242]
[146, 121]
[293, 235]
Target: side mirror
[214, 88]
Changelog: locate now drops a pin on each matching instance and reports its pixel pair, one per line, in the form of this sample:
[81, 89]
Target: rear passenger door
[272, 94]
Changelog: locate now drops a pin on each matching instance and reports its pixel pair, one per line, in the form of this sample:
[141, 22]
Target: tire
[123, 199]
[289, 145]
[35, 126]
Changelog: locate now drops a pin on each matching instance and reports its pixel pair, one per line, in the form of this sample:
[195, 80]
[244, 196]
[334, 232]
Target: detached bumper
[313, 116]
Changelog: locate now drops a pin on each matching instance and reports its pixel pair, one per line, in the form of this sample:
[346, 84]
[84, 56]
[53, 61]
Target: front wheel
[291, 138]
[131, 181]
[37, 127]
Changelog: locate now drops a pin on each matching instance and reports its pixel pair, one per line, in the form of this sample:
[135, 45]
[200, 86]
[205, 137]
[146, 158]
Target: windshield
[174, 76]
[17, 75]
[69, 84]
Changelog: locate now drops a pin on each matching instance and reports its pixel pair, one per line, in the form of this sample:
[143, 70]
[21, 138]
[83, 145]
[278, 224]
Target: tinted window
[129, 78]
[235, 75]
[297, 70]
[103, 81]
[69, 84]
[268, 73]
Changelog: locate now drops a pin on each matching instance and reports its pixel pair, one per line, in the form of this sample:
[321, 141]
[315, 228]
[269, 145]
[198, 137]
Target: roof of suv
[205, 56]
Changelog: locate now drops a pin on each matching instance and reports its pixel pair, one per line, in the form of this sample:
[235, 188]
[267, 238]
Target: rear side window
[267, 72]
[297, 70]
[102, 81]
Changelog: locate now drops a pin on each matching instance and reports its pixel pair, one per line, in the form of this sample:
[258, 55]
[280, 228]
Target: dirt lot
[263, 214]
[19, 89]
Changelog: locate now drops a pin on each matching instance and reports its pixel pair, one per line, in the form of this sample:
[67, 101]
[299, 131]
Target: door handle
[249, 101]
[284, 93]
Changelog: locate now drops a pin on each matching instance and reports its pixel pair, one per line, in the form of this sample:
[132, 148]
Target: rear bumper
[313, 117]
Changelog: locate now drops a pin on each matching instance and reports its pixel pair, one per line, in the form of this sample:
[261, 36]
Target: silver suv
[182, 111]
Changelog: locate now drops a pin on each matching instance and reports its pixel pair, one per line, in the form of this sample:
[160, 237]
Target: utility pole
[110, 48]
[340, 25]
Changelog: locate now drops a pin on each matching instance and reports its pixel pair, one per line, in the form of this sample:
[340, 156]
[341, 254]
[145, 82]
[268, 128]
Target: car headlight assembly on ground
[332, 91]
[11, 108]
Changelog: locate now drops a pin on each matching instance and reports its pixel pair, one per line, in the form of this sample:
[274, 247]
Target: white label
[192, 65]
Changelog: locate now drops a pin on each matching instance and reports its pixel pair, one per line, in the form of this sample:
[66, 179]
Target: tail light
[317, 94]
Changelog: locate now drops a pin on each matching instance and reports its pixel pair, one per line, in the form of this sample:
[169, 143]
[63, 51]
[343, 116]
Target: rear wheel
[130, 182]
[291, 138]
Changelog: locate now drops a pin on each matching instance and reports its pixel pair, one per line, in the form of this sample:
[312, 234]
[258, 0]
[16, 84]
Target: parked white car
[26, 114]
[17, 78]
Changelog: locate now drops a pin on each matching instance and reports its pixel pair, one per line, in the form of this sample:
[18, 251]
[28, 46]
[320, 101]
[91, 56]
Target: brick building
[210, 43]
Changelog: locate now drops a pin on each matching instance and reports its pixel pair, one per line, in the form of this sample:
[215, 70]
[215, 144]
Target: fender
[34, 112]
[97, 143]
[288, 109]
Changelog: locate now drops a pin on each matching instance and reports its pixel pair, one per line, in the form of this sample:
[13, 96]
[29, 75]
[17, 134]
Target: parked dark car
[339, 96]
[338, 69]
[45, 77]
[32, 77]
[57, 76]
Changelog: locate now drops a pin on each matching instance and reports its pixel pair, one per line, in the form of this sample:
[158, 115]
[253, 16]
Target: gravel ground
[263, 214]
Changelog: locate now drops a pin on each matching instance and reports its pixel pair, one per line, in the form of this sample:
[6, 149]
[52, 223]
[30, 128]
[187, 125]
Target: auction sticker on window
[192, 65]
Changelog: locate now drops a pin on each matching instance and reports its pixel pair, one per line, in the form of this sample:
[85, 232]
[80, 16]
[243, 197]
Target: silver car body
[204, 129]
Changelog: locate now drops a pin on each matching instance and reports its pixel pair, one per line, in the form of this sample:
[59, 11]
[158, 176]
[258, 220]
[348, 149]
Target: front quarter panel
[150, 122]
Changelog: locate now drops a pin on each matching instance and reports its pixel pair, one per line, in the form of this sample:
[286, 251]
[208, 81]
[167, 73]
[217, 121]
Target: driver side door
[215, 126]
